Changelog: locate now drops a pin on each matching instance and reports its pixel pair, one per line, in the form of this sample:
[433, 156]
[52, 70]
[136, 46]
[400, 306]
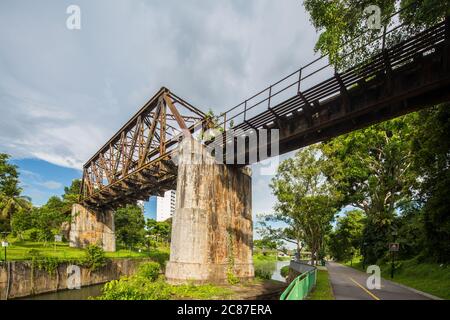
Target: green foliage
[47, 220]
[431, 158]
[264, 266]
[95, 257]
[231, 277]
[49, 264]
[371, 168]
[71, 194]
[267, 243]
[11, 200]
[340, 21]
[388, 168]
[149, 270]
[284, 271]
[345, 240]
[129, 222]
[139, 288]
[22, 225]
[306, 202]
[158, 230]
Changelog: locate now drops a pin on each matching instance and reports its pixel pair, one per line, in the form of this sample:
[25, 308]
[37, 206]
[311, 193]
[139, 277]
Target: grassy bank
[432, 278]
[323, 290]
[20, 250]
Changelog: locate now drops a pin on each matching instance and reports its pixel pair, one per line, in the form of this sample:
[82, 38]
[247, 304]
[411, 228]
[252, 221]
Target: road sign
[5, 243]
[394, 246]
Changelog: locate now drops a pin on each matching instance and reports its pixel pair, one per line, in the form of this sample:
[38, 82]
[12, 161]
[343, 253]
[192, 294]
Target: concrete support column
[212, 230]
[90, 227]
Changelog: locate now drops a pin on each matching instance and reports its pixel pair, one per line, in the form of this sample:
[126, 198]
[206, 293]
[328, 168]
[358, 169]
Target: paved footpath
[350, 284]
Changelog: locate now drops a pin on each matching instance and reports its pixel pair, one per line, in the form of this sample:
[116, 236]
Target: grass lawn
[323, 290]
[427, 277]
[19, 250]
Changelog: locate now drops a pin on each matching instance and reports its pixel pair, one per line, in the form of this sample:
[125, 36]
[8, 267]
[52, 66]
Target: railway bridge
[212, 226]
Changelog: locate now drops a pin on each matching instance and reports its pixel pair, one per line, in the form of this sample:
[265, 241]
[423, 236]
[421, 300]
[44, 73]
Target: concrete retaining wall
[19, 279]
[296, 268]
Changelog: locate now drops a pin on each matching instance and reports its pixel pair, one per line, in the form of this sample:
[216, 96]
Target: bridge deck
[410, 75]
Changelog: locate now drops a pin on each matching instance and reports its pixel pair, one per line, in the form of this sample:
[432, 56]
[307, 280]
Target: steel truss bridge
[315, 103]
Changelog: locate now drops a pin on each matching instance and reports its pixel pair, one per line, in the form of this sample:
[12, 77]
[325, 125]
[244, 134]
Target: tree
[371, 168]
[11, 200]
[431, 162]
[267, 244]
[49, 218]
[391, 186]
[305, 201]
[340, 22]
[71, 194]
[159, 230]
[346, 239]
[129, 222]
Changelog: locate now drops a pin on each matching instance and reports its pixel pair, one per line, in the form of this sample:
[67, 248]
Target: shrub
[31, 234]
[139, 288]
[149, 270]
[160, 256]
[284, 271]
[95, 257]
[49, 264]
[231, 277]
[135, 288]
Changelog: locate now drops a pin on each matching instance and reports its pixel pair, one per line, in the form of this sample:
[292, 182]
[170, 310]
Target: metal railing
[274, 101]
[301, 286]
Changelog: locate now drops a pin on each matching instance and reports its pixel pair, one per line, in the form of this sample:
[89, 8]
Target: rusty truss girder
[137, 161]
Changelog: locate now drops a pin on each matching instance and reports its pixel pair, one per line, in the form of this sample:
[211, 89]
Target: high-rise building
[165, 206]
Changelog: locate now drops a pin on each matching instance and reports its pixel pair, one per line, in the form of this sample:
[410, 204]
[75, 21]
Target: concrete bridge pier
[212, 231]
[92, 227]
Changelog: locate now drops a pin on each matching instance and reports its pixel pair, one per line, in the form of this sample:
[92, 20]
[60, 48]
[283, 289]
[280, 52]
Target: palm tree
[11, 199]
[11, 203]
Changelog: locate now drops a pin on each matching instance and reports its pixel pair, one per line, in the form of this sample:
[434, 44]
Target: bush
[160, 256]
[231, 277]
[31, 234]
[149, 270]
[48, 264]
[135, 288]
[95, 257]
[284, 271]
[139, 288]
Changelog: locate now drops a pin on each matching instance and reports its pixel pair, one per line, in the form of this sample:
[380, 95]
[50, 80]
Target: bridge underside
[212, 224]
[389, 87]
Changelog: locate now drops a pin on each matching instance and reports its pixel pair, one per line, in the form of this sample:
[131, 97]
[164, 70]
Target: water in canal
[95, 290]
[276, 274]
[76, 294]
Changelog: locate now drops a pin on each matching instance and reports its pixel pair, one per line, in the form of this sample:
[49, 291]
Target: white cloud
[64, 93]
[51, 185]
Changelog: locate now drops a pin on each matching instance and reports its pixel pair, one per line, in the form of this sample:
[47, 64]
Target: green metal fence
[301, 286]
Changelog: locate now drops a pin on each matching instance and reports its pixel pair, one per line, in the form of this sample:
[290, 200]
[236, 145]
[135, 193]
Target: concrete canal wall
[21, 279]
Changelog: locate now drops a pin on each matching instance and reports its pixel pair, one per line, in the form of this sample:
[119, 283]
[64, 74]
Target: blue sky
[63, 92]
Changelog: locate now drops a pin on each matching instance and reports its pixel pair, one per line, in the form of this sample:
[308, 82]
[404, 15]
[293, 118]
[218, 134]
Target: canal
[95, 290]
[76, 294]
[276, 275]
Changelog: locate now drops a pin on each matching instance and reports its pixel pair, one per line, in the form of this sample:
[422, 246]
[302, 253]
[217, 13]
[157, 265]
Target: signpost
[58, 238]
[5, 244]
[393, 248]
